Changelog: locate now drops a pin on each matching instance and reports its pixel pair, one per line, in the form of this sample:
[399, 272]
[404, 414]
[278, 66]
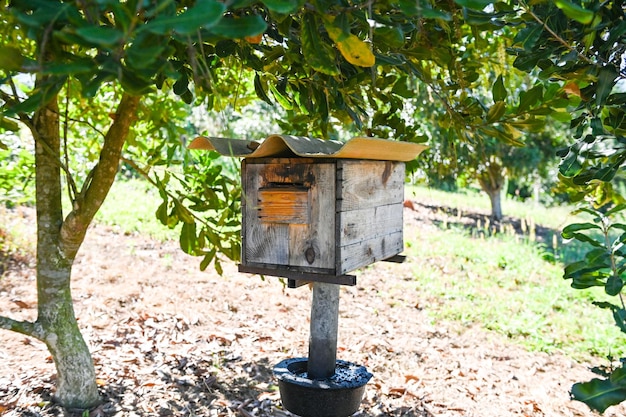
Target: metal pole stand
[324, 325]
[321, 385]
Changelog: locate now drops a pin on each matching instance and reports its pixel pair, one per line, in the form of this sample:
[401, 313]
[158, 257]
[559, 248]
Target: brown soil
[169, 340]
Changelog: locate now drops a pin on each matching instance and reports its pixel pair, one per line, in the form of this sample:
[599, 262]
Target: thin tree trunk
[76, 374]
[491, 181]
[495, 197]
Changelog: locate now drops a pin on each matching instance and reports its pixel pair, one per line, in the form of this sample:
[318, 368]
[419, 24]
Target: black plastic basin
[337, 396]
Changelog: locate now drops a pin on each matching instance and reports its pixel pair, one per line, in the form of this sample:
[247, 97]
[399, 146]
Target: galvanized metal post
[324, 325]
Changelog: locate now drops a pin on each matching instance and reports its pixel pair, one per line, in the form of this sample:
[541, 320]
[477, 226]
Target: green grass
[131, 206]
[504, 285]
[471, 201]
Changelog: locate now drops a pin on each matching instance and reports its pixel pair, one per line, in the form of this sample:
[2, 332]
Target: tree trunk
[76, 374]
[491, 180]
[496, 203]
[58, 241]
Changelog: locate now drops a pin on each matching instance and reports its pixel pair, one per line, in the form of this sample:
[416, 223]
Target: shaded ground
[169, 340]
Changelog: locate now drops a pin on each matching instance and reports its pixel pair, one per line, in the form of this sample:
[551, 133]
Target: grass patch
[506, 286]
[471, 201]
[131, 206]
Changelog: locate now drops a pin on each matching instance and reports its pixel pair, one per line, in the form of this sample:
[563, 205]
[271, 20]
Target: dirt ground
[169, 340]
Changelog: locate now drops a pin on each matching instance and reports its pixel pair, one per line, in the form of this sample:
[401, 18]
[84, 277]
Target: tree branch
[93, 193]
[27, 328]
[565, 44]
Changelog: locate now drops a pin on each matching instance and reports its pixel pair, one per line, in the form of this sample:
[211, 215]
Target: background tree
[499, 132]
[582, 45]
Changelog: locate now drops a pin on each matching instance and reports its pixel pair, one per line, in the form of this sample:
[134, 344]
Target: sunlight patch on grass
[472, 202]
[131, 206]
[507, 286]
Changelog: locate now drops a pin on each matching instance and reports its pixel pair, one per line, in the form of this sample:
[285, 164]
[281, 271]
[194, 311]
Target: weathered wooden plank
[371, 223]
[313, 245]
[289, 205]
[366, 252]
[268, 243]
[365, 184]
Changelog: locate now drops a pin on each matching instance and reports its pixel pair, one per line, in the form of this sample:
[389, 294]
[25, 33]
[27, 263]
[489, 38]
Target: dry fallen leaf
[21, 304]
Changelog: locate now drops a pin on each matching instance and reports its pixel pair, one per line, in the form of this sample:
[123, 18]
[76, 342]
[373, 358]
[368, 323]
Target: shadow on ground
[482, 225]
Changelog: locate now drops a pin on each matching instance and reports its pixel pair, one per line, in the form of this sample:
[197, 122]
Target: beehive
[316, 210]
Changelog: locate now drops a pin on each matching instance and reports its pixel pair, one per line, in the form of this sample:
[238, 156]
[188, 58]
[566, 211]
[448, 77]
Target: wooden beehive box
[321, 215]
[319, 209]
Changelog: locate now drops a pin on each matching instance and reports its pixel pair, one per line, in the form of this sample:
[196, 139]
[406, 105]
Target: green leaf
[218, 267]
[7, 124]
[474, 4]
[282, 100]
[618, 376]
[239, 28]
[206, 261]
[561, 116]
[101, 36]
[188, 238]
[498, 90]
[11, 58]
[530, 125]
[613, 285]
[479, 18]
[225, 48]
[496, 112]
[529, 98]
[606, 80]
[260, 91]
[390, 36]
[599, 394]
[570, 164]
[422, 9]
[134, 82]
[586, 239]
[598, 258]
[401, 88]
[38, 99]
[614, 210]
[183, 212]
[78, 66]
[528, 36]
[574, 11]
[353, 49]
[316, 53]
[282, 6]
[145, 52]
[568, 231]
[204, 15]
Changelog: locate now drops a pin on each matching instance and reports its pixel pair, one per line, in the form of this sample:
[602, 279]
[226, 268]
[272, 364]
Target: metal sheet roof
[286, 145]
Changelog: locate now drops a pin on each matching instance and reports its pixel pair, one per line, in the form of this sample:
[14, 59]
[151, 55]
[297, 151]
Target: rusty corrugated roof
[286, 145]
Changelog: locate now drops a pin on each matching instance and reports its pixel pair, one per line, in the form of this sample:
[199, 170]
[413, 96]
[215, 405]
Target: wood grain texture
[313, 245]
[366, 252]
[371, 223]
[288, 205]
[366, 184]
